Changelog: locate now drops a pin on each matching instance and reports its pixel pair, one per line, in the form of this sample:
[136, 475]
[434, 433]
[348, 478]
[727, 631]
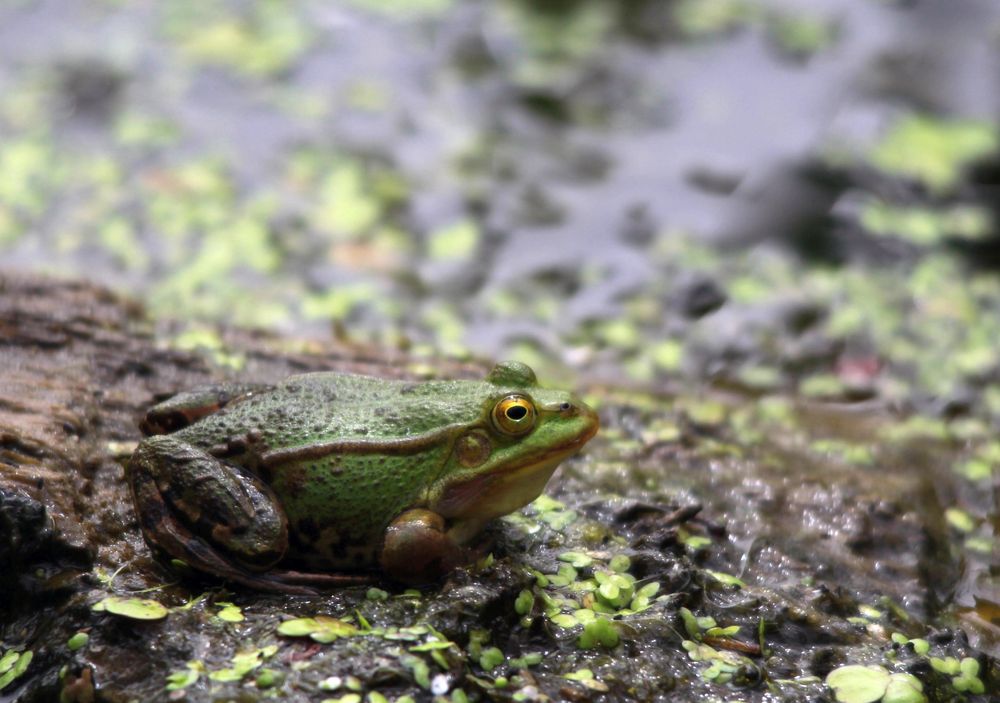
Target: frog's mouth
[473, 502]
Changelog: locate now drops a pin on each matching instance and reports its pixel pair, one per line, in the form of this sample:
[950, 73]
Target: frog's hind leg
[211, 515]
[187, 407]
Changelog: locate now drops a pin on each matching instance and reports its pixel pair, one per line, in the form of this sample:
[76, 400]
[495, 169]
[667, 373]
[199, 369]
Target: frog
[327, 478]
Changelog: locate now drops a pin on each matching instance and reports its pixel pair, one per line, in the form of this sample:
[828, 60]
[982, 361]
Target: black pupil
[516, 412]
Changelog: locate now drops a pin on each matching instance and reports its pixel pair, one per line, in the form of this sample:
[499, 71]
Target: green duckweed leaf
[268, 678]
[457, 241]
[421, 672]
[178, 680]
[8, 660]
[620, 563]
[432, 646]
[858, 684]
[230, 613]
[690, 623]
[134, 608]
[969, 666]
[577, 560]
[564, 620]
[725, 579]
[322, 628]
[904, 688]
[346, 698]
[947, 665]
[530, 659]
[959, 520]
[490, 658]
[77, 641]
[933, 151]
[17, 666]
[599, 633]
[524, 603]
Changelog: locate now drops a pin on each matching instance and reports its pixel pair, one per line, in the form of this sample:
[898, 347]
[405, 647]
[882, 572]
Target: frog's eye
[514, 415]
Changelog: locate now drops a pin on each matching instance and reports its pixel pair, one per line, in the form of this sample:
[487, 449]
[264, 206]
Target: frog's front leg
[214, 516]
[418, 549]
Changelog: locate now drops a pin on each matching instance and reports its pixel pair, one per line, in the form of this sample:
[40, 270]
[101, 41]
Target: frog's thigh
[417, 549]
[187, 407]
[182, 490]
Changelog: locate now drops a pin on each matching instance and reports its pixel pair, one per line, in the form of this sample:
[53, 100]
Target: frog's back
[326, 406]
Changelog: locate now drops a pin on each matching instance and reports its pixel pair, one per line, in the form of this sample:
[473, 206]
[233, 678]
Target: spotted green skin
[334, 463]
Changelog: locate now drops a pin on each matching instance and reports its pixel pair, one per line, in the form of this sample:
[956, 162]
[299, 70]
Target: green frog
[324, 477]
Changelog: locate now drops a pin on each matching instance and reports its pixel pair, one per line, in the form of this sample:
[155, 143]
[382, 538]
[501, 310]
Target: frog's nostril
[565, 406]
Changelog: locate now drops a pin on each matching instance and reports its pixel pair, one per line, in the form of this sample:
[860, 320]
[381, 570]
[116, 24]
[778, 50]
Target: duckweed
[722, 666]
[920, 646]
[801, 35]
[933, 151]
[601, 632]
[188, 676]
[321, 628]
[870, 613]
[134, 608]
[527, 660]
[229, 612]
[698, 18]
[454, 242]
[420, 670]
[924, 226]
[968, 677]
[577, 560]
[524, 603]
[244, 663]
[726, 579]
[586, 678]
[346, 698]
[490, 658]
[868, 684]
[77, 641]
[265, 42]
[959, 520]
[12, 665]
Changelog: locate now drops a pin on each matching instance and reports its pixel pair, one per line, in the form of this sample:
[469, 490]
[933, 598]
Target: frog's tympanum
[290, 486]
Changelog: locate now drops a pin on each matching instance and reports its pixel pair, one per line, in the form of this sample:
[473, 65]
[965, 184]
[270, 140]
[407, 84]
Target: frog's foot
[210, 515]
[418, 550]
[273, 582]
[320, 580]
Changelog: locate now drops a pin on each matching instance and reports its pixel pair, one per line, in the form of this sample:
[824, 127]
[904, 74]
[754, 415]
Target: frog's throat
[398, 447]
[470, 504]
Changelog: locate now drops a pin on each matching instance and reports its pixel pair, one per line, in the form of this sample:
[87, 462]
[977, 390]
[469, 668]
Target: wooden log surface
[78, 366]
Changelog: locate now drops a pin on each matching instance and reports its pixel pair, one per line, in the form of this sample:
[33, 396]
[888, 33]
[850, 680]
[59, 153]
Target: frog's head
[502, 460]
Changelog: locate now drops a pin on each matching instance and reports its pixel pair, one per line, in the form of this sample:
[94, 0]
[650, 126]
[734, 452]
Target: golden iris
[514, 415]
